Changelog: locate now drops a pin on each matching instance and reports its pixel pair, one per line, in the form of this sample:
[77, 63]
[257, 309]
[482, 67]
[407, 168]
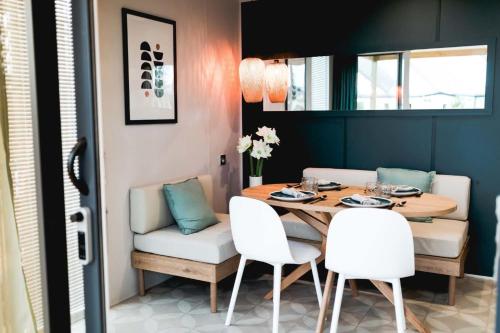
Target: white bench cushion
[212, 245]
[441, 238]
[295, 227]
[148, 207]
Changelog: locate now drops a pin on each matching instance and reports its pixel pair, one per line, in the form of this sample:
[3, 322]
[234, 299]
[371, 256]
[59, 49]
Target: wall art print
[149, 63]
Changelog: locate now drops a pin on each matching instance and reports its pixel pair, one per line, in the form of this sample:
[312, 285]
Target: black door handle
[77, 150]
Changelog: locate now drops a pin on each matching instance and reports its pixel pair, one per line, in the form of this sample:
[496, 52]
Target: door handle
[78, 150]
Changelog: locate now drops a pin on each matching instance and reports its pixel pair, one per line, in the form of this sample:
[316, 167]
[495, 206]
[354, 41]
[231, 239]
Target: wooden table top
[423, 206]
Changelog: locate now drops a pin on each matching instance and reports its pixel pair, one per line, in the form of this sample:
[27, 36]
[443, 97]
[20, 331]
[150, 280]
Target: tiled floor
[181, 305]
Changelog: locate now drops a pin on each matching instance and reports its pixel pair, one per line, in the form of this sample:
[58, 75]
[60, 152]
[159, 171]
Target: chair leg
[399, 306]
[317, 284]
[140, 276]
[213, 297]
[337, 303]
[452, 284]
[236, 287]
[276, 296]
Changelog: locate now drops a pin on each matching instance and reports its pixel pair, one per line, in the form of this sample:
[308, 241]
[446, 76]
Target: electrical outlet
[222, 159]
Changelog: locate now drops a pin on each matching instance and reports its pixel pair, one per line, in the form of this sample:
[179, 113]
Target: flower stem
[252, 173]
[259, 172]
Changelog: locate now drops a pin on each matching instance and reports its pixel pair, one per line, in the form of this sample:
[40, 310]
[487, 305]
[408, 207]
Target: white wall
[208, 54]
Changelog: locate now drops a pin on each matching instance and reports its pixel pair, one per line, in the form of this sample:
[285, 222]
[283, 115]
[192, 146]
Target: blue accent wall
[460, 145]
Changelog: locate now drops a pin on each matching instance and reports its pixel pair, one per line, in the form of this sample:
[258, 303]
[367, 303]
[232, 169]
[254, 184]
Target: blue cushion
[189, 206]
[419, 179]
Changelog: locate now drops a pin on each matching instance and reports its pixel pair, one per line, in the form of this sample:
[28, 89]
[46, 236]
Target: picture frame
[149, 68]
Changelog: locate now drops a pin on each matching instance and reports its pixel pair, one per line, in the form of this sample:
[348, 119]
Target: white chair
[258, 234]
[369, 243]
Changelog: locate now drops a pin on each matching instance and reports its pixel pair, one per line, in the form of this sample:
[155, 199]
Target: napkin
[324, 182]
[364, 200]
[293, 192]
[405, 188]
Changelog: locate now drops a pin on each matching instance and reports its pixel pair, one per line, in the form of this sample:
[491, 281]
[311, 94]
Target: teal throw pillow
[419, 179]
[189, 206]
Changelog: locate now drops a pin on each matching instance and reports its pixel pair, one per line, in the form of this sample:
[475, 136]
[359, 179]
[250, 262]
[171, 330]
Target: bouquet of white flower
[258, 149]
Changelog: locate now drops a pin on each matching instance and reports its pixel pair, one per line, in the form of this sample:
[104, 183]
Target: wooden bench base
[453, 267]
[190, 269]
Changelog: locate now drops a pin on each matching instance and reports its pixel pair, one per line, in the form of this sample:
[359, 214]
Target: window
[377, 82]
[444, 78]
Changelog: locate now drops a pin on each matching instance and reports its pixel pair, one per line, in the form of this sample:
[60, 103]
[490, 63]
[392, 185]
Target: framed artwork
[149, 64]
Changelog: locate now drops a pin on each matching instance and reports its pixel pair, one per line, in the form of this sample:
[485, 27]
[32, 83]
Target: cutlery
[340, 188]
[338, 204]
[401, 203]
[293, 185]
[320, 198]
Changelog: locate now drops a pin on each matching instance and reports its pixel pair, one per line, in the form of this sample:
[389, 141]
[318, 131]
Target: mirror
[419, 79]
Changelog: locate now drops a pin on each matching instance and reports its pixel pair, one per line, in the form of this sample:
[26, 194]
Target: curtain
[16, 315]
[345, 71]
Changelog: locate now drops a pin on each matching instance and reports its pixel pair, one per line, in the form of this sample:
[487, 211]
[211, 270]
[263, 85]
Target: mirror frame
[489, 89]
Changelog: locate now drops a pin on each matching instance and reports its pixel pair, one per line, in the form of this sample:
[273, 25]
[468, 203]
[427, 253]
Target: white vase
[255, 181]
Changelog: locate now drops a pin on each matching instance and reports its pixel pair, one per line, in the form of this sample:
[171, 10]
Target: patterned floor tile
[181, 305]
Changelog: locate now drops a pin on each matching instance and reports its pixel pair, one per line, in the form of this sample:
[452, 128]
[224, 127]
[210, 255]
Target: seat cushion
[189, 206]
[441, 238]
[212, 245]
[343, 176]
[296, 228]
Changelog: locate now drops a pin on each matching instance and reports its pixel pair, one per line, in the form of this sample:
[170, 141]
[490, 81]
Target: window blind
[14, 39]
[320, 83]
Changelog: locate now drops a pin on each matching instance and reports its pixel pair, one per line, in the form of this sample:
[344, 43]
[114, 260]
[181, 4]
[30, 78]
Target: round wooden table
[319, 215]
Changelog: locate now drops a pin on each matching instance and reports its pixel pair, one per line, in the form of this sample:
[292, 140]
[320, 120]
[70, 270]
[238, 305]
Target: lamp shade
[277, 82]
[252, 79]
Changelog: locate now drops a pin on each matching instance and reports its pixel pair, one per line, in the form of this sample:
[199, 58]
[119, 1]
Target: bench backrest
[149, 210]
[454, 187]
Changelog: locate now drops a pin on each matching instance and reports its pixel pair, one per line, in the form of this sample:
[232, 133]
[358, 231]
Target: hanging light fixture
[277, 82]
[252, 79]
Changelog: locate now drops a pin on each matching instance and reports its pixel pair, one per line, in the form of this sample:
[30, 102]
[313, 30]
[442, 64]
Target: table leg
[412, 318]
[326, 301]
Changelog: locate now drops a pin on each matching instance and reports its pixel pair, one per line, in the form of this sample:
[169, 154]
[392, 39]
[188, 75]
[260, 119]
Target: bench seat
[297, 228]
[212, 245]
[441, 238]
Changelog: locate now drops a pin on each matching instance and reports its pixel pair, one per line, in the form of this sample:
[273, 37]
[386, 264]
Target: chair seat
[303, 252]
[296, 228]
[212, 245]
[441, 238]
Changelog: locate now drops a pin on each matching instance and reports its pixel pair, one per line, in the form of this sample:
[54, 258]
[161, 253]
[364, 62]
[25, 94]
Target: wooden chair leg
[354, 288]
[213, 297]
[452, 284]
[140, 275]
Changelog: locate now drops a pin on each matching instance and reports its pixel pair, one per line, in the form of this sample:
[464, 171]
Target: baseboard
[481, 277]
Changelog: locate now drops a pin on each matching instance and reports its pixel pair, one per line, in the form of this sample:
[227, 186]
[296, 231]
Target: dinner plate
[383, 202]
[330, 186]
[406, 193]
[278, 195]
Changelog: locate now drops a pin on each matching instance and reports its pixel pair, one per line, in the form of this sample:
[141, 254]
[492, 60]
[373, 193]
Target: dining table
[319, 213]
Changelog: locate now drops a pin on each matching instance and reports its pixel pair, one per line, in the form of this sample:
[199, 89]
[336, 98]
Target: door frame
[49, 169]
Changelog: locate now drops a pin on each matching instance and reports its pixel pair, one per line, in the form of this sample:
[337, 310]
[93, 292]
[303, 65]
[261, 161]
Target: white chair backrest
[149, 210]
[370, 243]
[257, 230]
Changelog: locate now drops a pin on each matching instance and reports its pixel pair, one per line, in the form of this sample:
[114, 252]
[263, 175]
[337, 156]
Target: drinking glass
[371, 188]
[310, 184]
[386, 190]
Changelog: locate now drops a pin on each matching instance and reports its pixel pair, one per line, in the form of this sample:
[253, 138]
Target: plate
[406, 193]
[383, 202]
[331, 186]
[283, 197]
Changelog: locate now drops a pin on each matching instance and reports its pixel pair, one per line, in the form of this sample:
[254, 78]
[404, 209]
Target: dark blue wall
[461, 145]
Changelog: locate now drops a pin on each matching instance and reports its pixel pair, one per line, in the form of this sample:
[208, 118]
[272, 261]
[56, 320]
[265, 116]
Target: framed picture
[149, 64]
